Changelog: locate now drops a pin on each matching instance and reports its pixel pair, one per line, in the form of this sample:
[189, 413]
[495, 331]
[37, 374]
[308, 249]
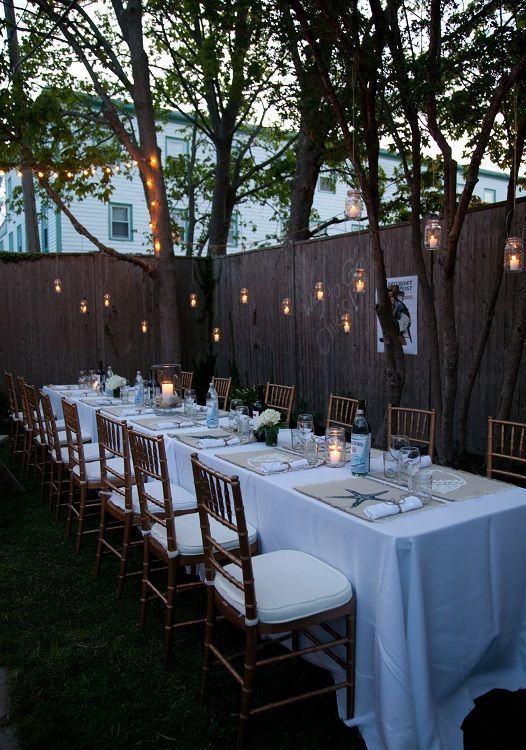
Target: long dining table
[440, 592]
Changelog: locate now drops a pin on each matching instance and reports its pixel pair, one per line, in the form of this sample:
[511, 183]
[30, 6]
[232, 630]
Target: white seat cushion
[61, 424]
[91, 453]
[93, 469]
[181, 498]
[289, 585]
[188, 534]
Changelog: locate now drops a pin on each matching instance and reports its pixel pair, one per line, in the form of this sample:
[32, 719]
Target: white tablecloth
[441, 594]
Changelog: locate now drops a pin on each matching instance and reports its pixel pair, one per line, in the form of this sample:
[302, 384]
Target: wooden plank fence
[45, 338]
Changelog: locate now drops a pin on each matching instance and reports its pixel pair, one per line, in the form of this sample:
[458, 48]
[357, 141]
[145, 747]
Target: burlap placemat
[367, 492]
[253, 460]
[453, 485]
[216, 433]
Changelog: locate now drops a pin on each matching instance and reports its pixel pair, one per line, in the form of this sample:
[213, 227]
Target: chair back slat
[219, 498]
[341, 411]
[280, 397]
[26, 414]
[114, 444]
[187, 379]
[506, 449]
[53, 440]
[74, 438]
[149, 463]
[32, 398]
[416, 424]
[12, 395]
[222, 386]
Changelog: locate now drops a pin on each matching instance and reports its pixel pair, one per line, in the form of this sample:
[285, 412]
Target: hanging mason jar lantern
[107, 300]
[144, 326]
[57, 286]
[243, 296]
[353, 204]
[359, 280]
[193, 300]
[432, 234]
[346, 322]
[319, 291]
[216, 335]
[514, 255]
[83, 306]
[286, 306]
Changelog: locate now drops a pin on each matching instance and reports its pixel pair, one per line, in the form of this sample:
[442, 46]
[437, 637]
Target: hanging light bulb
[144, 326]
[216, 335]
[286, 306]
[353, 204]
[193, 300]
[243, 296]
[107, 300]
[57, 286]
[514, 255]
[319, 291]
[432, 234]
[359, 280]
[346, 322]
[83, 306]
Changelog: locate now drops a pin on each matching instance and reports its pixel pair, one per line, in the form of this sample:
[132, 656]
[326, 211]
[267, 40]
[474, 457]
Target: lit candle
[433, 241]
[360, 285]
[353, 211]
[514, 263]
[334, 455]
[346, 326]
[319, 294]
[167, 390]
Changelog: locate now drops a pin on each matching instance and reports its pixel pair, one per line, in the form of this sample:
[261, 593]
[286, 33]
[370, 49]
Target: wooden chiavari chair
[416, 424]
[223, 387]
[282, 594]
[39, 452]
[341, 411]
[16, 419]
[171, 531]
[27, 429]
[187, 378]
[506, 450]
[280, 397]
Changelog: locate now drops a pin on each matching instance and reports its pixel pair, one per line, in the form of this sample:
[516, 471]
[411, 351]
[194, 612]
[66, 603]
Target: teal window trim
[184, 141]
[111, 221]
[327, 184]
[58, 231]
[11, 241]
[19, 238]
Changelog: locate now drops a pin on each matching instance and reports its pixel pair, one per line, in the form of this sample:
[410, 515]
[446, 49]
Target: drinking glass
[409, 461]
[232, 416]
[189, 396]
[310, 451]
[241, 416]
[396, 443]
[305, 427]
[244, 425]
[189, 403]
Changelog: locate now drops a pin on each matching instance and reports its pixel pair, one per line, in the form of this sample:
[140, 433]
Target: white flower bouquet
[115, 382]
[267, 418]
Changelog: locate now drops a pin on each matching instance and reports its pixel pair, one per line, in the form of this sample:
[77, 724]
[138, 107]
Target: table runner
[335, 494]
[453, 485]
[252, 460]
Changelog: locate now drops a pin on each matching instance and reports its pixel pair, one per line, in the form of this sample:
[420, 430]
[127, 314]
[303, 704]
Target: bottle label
[212, 414]
[360, 450]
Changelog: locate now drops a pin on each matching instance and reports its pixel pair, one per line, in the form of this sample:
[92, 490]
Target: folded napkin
[273, 467]
[216, 442]
[186, 423]
[165, 425]
[380, 510]
[377, 464]
[130, 412]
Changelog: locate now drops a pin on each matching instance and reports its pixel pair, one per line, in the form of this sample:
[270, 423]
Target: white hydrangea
[115, 382]
[267, 418]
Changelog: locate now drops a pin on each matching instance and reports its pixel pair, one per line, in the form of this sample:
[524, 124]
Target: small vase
[116, 393]
[260, 435]
[271, 436]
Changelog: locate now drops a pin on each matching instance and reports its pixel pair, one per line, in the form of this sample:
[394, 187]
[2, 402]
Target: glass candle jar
[166, 380]
[335, 447]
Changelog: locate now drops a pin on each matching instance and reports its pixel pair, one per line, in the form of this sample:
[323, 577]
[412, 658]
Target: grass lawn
[82, 675]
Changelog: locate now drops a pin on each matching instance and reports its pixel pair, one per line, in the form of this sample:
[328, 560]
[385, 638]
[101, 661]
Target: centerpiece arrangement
[114, 385]
[268, 424]
[166, 379]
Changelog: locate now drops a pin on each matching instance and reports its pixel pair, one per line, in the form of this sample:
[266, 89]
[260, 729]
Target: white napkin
[165, 425]
[377, 464]
[215, 442]
[380, 510]
[273, 467]
[130, 412]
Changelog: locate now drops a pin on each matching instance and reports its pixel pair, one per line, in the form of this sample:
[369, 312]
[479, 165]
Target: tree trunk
[308, 161]
[221, 215]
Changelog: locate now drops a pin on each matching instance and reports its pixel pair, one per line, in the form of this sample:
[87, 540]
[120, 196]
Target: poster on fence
[403, 292]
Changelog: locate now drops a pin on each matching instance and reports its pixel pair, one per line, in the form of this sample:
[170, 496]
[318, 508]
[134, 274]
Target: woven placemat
[252, 460]
[193, 439]
[338, 495]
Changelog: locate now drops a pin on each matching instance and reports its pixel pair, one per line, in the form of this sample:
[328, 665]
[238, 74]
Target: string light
[243, 296]
[83, 306]
[107, 300]
[194, 301]
[144, 326]
[216, 335]
[319, 291]
[157, 246]
[57, 286]
[286, 306]
[346, 322]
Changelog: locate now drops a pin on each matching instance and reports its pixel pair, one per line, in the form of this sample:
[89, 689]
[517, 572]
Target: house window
[120, 221]
[179, 216]
[44, 235]
[176, 147]
[490, 195]
[11, 241]
[19, 238]
[233, 232]
[9, 187]
[327, 184]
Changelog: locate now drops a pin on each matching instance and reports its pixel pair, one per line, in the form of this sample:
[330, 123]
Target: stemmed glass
[396, 443]
[232, 417]
[305, 430]
[409, 461]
